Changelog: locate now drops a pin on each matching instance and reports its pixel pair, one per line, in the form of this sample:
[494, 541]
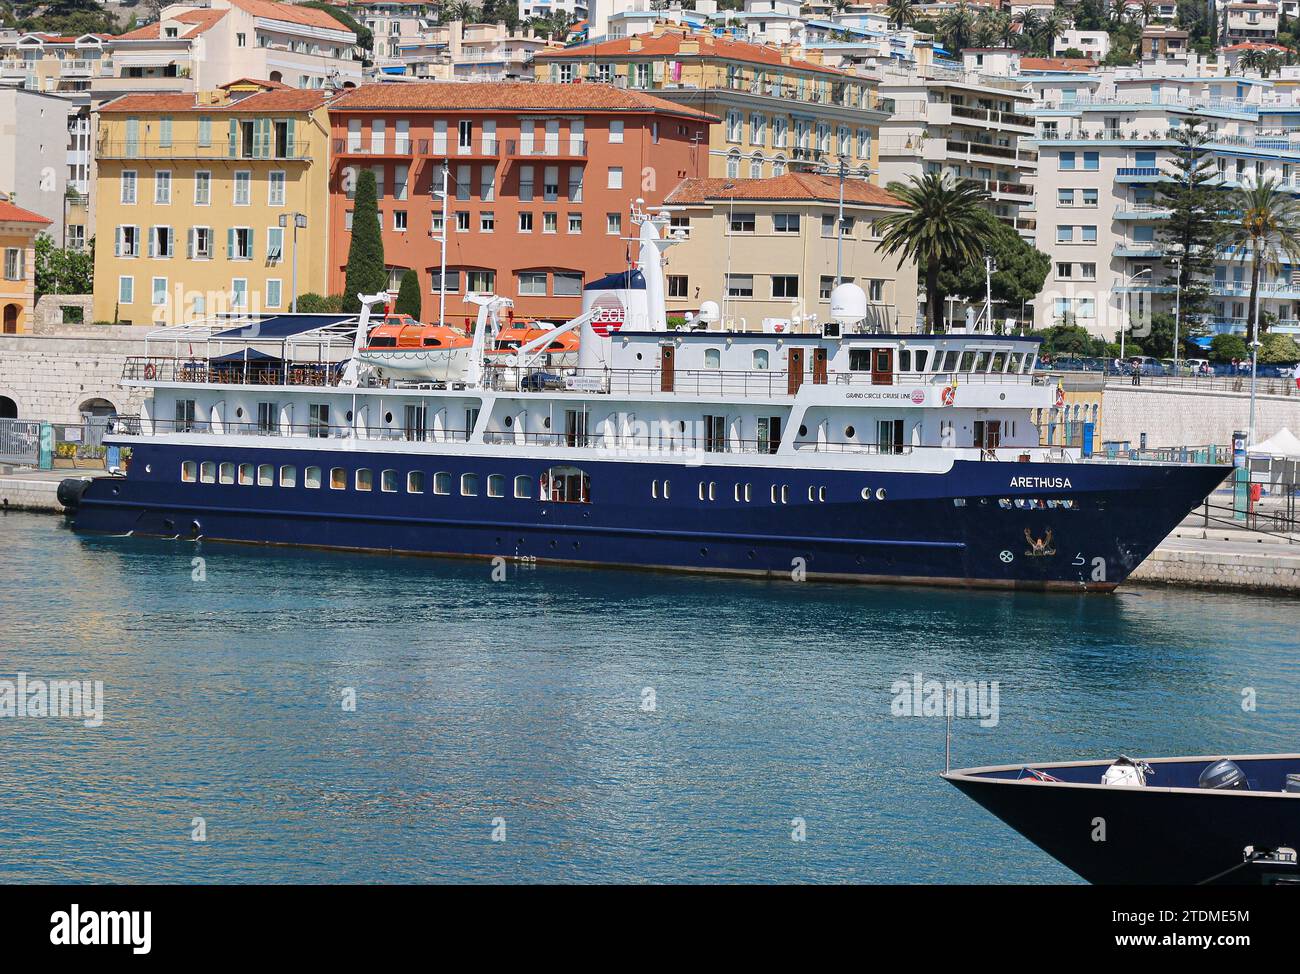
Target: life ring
[149, 370]
[948, 396]
[1060, 397]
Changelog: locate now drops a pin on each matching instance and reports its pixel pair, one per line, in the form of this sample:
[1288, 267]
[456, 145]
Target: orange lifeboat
[562, 350]
[414, 350]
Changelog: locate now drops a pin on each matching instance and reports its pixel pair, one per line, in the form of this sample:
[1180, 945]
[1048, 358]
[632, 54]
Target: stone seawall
[1263, 571]
[50, 377]
[1171, 417]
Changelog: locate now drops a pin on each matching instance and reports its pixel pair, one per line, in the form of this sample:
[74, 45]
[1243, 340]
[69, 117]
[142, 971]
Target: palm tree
[939, 227]
[1005, 28]
[955, 27]
[1266, 231]
[1118, 11]
[901, 13]
[1147, 10]
[1030, 24]
[1251, 60]
[985, 32]
[1050, 28]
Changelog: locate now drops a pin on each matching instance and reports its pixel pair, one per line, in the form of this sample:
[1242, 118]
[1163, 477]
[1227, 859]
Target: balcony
[389, 148]
[1140, 249]
[1020, 192]
[968, 149]
[282, 151]
[546, 149]
[1141, 211]
[1139, 174]
[992, 117]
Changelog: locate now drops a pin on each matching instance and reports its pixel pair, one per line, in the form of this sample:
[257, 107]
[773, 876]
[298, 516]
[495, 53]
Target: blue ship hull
[969, 526]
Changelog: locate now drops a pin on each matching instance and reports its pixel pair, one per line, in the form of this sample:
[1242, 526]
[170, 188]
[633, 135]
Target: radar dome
[848, 303]
[709, 311]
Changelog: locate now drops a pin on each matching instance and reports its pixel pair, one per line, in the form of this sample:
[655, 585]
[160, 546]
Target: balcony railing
[548, 148]
[993, 151]
[991, 115]
[218, 148]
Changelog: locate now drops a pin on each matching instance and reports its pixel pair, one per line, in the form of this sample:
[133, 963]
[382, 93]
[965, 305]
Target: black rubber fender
[70, 493]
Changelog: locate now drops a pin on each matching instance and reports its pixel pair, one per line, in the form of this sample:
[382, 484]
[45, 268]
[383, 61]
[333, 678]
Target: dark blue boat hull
[969, 526]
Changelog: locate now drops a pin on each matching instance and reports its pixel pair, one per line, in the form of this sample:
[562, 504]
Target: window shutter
[230, 243]
[290, 149]
[117, 242]
[153, 232]
[189, 244]
[234, 139]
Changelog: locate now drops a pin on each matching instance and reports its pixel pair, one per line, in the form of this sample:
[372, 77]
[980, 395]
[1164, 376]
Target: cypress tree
[365, 273]
[408, 296]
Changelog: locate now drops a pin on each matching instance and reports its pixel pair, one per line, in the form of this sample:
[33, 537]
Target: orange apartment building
[540, 178]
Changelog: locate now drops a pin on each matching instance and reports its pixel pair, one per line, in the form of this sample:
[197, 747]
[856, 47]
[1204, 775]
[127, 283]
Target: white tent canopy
[1281, 445]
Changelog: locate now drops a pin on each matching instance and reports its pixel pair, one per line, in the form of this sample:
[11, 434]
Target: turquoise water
[522, 700]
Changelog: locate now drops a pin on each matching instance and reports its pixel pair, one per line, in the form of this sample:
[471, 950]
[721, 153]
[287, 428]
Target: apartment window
[202, 188]
[575, 223]
[401, 176]
[399, 220]
[462, 221]
[567, 285]
[615, 177]
[126, 290]
[740, 285]
[160, 242]
[128, 242]
[614, 223]
[1066, 161]
[551, 184]
[1089, 197]
[1065, 197]
[550, 222]
[525, 223]
[243, 188]
[162, 187]
[200, 243]
[274, 293]
[239, 243]
[678, 286]
[1089, 234]
[128, 186]
[205, 130]
[1088, 271]
[785, 222]
[616, 130]
[275, 188]
[733, 125]
[241, 40]
[1064, 270]
[464, 136]
[239, 293]
[532, 284]
[1091, 161]
[487, 183]
[480, 282]
[274, 244]
[742, 223]
[875, 291]
[1065, 234]
[453, 282]
[785, 286]
[575, 184]
[487, 221]
[526, 184]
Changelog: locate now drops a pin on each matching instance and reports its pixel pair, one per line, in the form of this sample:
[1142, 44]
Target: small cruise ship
[838, 452]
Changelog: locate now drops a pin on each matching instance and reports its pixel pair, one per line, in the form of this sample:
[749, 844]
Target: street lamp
[299, 223]
[1177, 262]
[1123, 325]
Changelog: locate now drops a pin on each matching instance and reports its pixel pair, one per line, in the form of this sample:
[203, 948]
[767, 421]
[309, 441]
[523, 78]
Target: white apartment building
[34, 133]
[575, 9]
[1091, 43]
[1251, 20]
[958, 120]
[1101, 156]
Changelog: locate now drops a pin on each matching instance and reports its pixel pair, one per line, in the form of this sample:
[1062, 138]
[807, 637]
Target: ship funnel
[632, 300]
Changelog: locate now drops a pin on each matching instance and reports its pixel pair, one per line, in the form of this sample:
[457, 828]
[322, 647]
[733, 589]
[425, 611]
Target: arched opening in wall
[349, 84]
[8, 408]
[12, 312]
[97, 407]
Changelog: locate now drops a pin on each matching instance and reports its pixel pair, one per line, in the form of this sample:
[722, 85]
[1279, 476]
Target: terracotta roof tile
[1057, 64]
[505, 96]
[199, 21]
[794, 186]
[11, 213]
[290, 13]
[276, 100]
[669, 44]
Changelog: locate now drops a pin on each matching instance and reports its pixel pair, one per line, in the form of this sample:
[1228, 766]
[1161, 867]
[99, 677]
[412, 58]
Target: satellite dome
[848, 303]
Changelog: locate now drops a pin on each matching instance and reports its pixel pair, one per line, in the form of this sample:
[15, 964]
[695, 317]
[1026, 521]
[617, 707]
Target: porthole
[704, 552]
[866, 493]
[803, 430]
[510, 421]
[239, 413]
[348, 416]
[388, 417]
[848, 432]
[880, 493]
[148, 468]
[638, 356]
[546, 422]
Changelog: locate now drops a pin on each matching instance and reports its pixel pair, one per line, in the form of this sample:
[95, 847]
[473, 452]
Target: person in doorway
[1296, 375]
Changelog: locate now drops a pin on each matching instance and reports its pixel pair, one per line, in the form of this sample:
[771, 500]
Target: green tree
[313, 303]
[955, 27]
[1195, 225]
[366, 273]
[1225, 348]
[1021, 270]
[939, 226]
[1264, 228]
[1068, 339]
[61, 271]
[408, 296]
[1278, 348]
[901, 13]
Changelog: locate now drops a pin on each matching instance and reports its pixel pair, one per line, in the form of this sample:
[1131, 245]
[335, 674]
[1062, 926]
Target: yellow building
[779, 110]
[19, 229]
[766, 250]
[197, 196]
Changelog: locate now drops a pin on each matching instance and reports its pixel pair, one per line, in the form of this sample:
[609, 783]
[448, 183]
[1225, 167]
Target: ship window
[189, 471]
[905, 360]
[859, 360]
[469, 485]
[959, 502]
[999, 361]
[496, 485]
[442, 482]
[431, 342]
[774, 493]
[821, 495]
[365, 479]
[922, 355]
[265, 475]
[415, 482]
[246, 474]
[785, 494]
[566, 485]
[949, 362]
[523, 487]
[227, 473]
[849, 431]
[760, 359]
[967, 361]
[654, 489]
[713, 490]
[208, 472]
[1015, 362]
[338, 479]
[288, 476]
[749, 493]
[712, 358]
[388, 481]
[981, 361]
[812, 493]
[311, 478]
[383, 341]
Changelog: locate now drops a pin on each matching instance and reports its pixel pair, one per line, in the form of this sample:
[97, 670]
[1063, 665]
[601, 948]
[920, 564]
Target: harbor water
[540, 724]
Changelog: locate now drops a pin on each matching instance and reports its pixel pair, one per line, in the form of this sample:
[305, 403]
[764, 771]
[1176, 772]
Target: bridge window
[496, 485]
[189, 471]
[227, 473]
[523, 487]
[288, 476]
[246, 475]
[388, 481]
[415, 482]
[566, 485]
[311, 478]
[338, 479]
[265, 475]
[922, 355]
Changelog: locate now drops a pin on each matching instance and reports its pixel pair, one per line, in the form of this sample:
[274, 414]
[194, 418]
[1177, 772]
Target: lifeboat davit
[560, 352]
[410, 349]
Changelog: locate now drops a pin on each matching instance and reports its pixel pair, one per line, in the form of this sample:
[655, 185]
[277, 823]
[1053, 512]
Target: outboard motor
[69, 493]
[1223, 775]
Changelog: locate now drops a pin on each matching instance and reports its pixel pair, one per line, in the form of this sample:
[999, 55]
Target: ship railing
[136, 425]
[155, 368]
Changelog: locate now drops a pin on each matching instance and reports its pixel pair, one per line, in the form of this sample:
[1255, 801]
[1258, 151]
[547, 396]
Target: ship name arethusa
[1041, 482]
